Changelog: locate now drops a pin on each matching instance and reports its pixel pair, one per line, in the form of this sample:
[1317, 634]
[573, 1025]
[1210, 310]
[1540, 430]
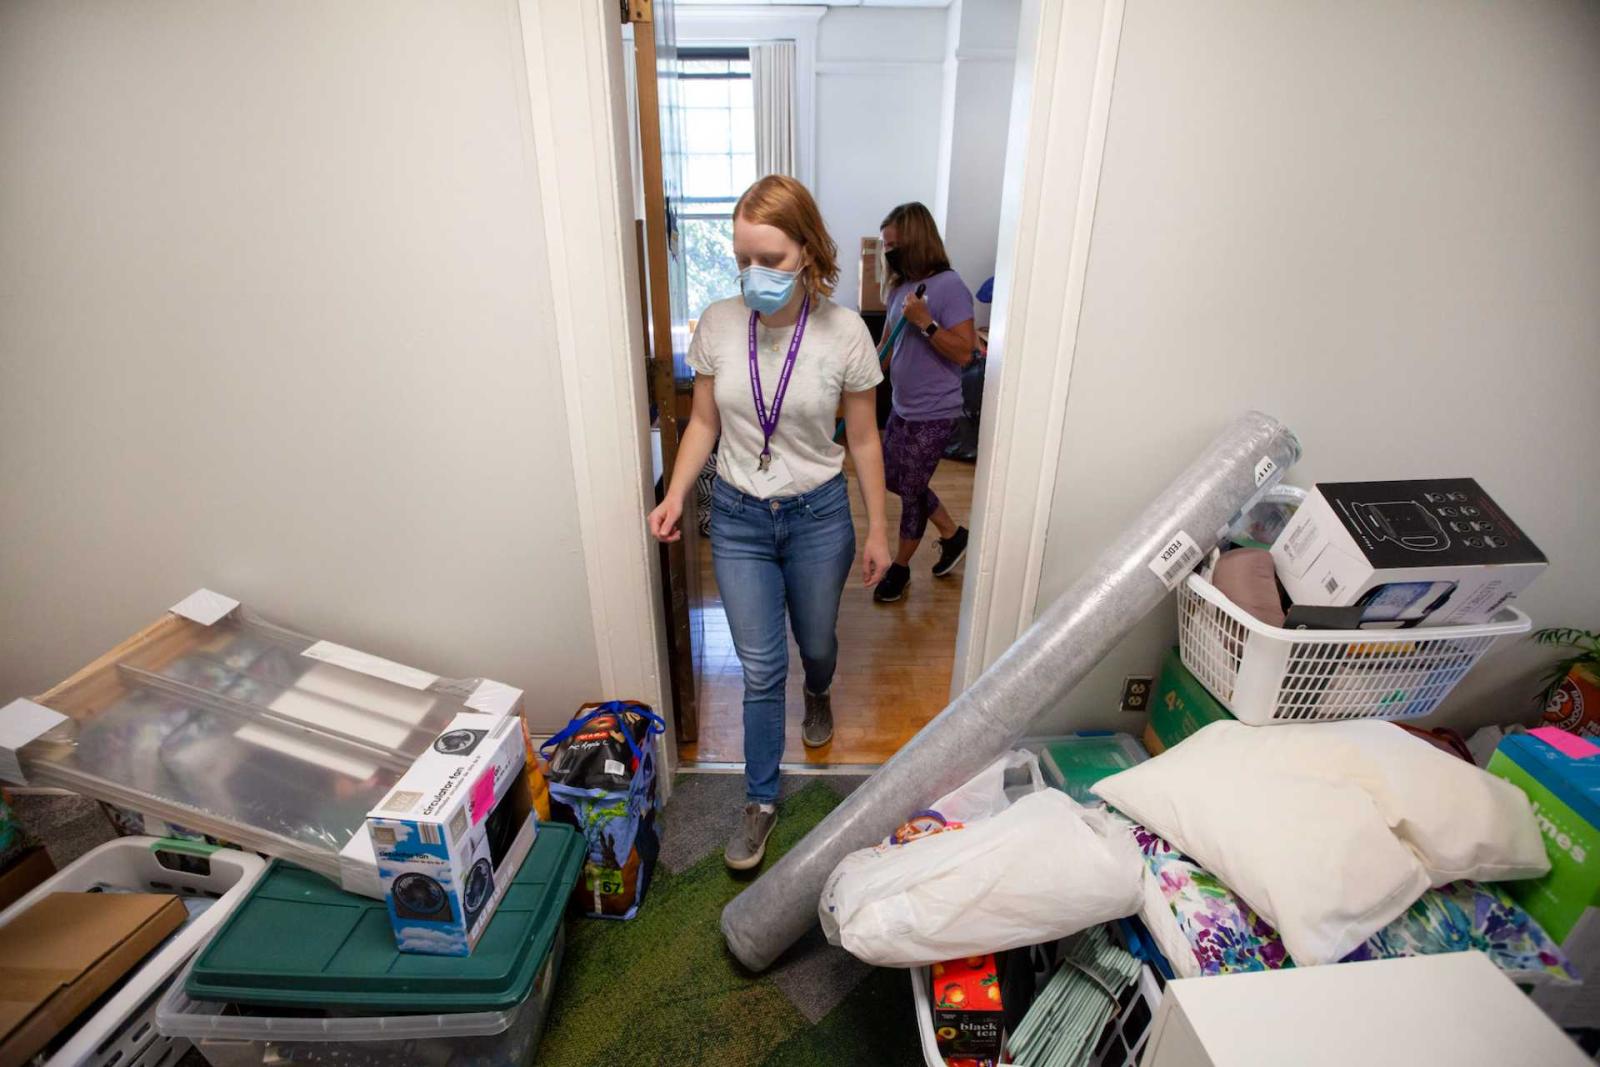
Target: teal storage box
[1565, 794]
[300, 941]
[1076, 762]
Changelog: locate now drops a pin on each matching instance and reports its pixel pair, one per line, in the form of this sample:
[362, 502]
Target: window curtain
[772, 84]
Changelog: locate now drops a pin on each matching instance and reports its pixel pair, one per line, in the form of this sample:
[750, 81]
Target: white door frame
[1066, 62]
[578, 135]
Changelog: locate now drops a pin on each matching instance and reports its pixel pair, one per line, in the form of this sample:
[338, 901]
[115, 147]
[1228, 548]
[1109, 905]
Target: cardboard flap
[67, 950]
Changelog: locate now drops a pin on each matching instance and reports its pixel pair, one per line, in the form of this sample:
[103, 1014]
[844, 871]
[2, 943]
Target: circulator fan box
[452, 832]
[1428, 552]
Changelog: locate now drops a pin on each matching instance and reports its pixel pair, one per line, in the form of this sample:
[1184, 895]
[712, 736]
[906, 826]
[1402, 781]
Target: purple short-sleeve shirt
[926, 385]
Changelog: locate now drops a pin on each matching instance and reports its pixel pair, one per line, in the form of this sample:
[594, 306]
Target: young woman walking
[925, 368]
[772, 368]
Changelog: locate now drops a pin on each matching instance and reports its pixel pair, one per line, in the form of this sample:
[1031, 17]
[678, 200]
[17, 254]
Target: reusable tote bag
[603, 781]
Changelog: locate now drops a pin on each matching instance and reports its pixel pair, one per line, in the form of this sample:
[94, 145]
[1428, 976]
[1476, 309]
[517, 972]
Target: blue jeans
[791, 553]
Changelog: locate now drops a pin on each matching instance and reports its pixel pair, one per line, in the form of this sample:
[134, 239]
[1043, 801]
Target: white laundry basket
[122, 1032]
[1267, 675]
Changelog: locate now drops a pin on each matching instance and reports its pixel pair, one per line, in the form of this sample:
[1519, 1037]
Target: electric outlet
[1136, 693]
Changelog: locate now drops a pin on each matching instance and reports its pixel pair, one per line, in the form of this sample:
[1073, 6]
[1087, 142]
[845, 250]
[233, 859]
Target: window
[719, 163]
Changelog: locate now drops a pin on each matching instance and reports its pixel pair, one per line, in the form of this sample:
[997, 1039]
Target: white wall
[1377, 222]
[274, 320]
[879, 84]
[979, 73]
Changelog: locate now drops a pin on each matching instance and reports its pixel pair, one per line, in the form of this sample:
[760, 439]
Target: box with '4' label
[452, 832]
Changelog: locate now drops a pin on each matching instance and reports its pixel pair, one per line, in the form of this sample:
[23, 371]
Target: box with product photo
[1432, 552]
[1560, 773]
[452, 832]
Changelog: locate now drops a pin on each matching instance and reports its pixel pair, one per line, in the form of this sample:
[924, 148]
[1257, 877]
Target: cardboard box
[1456, 1009]
[968, 1016]
[28, 870]
[1574, 706]
[869, 297]
[1565, 794]
[452, 832]
[65, 952]
[1436, 552]
[1181, 707]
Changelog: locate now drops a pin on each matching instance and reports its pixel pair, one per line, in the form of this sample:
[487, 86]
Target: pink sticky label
[1570, 745]
[482, 796]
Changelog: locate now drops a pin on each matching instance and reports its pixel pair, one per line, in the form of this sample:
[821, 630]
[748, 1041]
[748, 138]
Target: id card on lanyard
[771, 476]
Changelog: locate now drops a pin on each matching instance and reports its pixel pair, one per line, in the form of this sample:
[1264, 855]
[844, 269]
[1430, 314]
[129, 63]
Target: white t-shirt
[836, 356]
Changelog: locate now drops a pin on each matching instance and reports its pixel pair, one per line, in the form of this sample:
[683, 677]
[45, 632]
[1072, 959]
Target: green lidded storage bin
[301, 941]
[1077, 761]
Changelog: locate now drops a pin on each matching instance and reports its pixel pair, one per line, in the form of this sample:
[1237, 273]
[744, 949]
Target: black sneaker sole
[807, 742]
[888, 599]
[952, 565]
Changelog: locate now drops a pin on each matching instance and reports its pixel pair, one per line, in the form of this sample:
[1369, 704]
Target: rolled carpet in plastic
[1065, 642]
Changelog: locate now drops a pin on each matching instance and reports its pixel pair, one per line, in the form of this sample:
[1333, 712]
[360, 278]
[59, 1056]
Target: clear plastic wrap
[243, 731]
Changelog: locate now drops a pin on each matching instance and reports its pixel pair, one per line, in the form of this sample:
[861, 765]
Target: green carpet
[662, 989]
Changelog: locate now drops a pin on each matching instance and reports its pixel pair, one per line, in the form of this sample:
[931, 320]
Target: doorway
[864, 134]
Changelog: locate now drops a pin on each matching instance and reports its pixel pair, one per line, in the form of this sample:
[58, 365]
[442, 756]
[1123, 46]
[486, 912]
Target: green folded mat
[301, 941]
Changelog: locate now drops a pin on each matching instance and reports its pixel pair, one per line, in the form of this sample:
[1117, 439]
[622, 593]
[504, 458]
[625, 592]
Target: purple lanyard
[769, 420]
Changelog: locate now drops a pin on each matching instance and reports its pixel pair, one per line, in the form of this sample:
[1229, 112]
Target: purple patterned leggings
[911, 453]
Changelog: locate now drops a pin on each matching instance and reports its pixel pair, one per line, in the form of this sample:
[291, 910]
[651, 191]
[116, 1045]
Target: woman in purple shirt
[937, 341]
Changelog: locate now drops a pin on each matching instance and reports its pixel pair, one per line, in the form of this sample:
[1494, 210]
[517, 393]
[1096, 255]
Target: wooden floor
[895, 659]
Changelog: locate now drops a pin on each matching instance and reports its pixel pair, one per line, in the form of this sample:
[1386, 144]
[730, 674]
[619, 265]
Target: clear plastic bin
[246, 731]
[1073, 763]
[120, 1032]
[228, 1037]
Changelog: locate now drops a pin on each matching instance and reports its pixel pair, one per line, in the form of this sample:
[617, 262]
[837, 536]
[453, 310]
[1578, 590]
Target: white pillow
[1312, 855]
[1463, 822]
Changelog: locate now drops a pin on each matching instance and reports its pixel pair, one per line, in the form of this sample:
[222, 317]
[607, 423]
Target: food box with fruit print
[967, 1014]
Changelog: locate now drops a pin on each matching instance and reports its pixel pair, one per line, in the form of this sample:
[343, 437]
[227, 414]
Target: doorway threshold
[706, 767]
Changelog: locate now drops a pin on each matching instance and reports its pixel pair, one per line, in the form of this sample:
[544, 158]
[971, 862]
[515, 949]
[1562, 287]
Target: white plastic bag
[984, 794]
[1041, 869]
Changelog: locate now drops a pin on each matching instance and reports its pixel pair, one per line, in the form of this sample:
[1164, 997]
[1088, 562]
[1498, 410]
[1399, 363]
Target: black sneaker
[817, 730]
[893, 586]
[951, 551]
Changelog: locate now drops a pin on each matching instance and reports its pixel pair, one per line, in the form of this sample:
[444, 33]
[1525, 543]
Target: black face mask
[896, 260]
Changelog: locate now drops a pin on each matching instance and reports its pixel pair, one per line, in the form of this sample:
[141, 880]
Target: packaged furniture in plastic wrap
[227, 725]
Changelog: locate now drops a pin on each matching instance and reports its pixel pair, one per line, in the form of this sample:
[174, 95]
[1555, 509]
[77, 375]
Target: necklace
[775, 338]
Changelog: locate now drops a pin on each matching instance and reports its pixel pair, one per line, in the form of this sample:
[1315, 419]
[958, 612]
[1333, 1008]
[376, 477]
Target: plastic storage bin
[122, 1032]
[1121, 1042]
[228, 1037]
[249, 732]
[1267, 675]
[1075, 762]
[299, 941]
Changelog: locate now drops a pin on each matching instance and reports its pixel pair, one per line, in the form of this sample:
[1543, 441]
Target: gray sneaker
[749, 841]
[817, 730]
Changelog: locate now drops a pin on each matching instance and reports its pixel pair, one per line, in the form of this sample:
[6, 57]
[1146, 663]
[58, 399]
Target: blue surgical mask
[767, 290]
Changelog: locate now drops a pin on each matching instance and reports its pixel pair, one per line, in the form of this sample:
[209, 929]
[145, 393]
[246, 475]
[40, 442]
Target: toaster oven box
[1430, 552]
[452, 832]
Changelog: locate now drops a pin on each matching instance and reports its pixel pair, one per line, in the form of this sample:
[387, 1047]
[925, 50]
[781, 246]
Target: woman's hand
[664, 518]
[916, 311]
[874, 557]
